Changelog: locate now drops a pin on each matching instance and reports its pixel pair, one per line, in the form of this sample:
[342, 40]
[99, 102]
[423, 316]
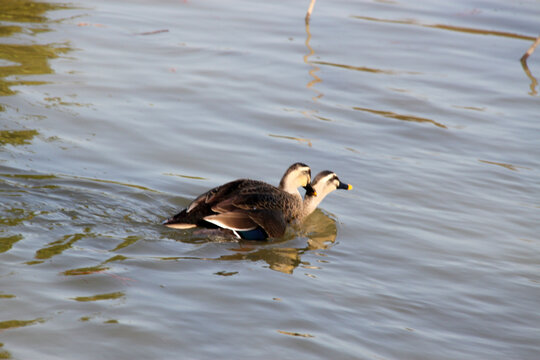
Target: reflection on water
[59, 246]
[12, 324]
[108, 296]
[504, 165]
[292, 333]
[468, 30]
[4, 354]
[300, 140]
[534, 82]
[9, 30]
[392, 115]
[98, 269]
[357, 68]
[185, 176]
[27, 59]
[17, 137]
[449, 27]
[284, 260]
[314, 69]
[6, 242]
[86, 270]
[51, 191]
[27, 11]
[128, 240]
[15, 216]
[86, 249]
[366, 69]
[319, 228]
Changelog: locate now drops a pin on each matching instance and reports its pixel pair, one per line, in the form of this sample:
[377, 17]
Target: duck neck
[311, 203]
[290, 188]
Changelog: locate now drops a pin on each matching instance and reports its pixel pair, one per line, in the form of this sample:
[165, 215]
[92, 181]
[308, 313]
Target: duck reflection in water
[319, 229]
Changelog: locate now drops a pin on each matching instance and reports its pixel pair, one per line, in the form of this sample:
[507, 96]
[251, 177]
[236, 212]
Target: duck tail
[180, 221]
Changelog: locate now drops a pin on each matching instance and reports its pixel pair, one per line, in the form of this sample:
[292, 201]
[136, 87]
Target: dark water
[115, 114]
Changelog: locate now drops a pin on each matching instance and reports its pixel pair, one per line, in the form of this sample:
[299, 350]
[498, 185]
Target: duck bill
[310, 191]
[344, 186]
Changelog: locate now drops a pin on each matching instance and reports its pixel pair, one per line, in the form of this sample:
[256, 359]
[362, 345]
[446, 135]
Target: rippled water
[115, 114]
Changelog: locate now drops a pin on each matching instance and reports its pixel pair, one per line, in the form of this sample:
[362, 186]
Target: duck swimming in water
[251, 209]
[255, 210]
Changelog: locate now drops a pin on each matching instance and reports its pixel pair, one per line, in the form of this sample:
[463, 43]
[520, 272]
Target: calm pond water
[115, 114]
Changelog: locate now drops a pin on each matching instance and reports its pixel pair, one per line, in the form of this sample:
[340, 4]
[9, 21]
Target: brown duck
[250, 209]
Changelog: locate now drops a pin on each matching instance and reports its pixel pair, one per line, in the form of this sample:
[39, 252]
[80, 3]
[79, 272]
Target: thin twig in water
[310, 10]
[531, 50]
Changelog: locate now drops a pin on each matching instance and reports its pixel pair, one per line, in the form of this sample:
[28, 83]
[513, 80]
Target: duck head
[323, 184]
[298, 174]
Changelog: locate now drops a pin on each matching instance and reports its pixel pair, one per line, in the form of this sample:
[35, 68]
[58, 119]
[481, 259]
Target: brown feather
[232, 220]
[271, 221]
[242, 205]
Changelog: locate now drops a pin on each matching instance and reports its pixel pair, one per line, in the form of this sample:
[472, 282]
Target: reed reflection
[314, 68]
[448, 27]
[474, 31]
[393, 115]
[534, 82]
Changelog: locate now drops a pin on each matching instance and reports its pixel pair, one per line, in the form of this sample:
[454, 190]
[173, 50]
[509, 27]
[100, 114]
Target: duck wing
[233, 220]
[269, 210]
[206, 205]
[221, 192]
[271, 221]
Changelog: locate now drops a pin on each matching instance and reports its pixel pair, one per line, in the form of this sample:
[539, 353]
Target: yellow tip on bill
[350, 187]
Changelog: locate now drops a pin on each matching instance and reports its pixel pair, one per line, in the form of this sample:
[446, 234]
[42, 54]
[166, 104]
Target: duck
[323, 184]
[249, 209]
[255, 210]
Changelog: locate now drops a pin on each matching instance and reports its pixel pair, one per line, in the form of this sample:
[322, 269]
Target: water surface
[115, 114]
